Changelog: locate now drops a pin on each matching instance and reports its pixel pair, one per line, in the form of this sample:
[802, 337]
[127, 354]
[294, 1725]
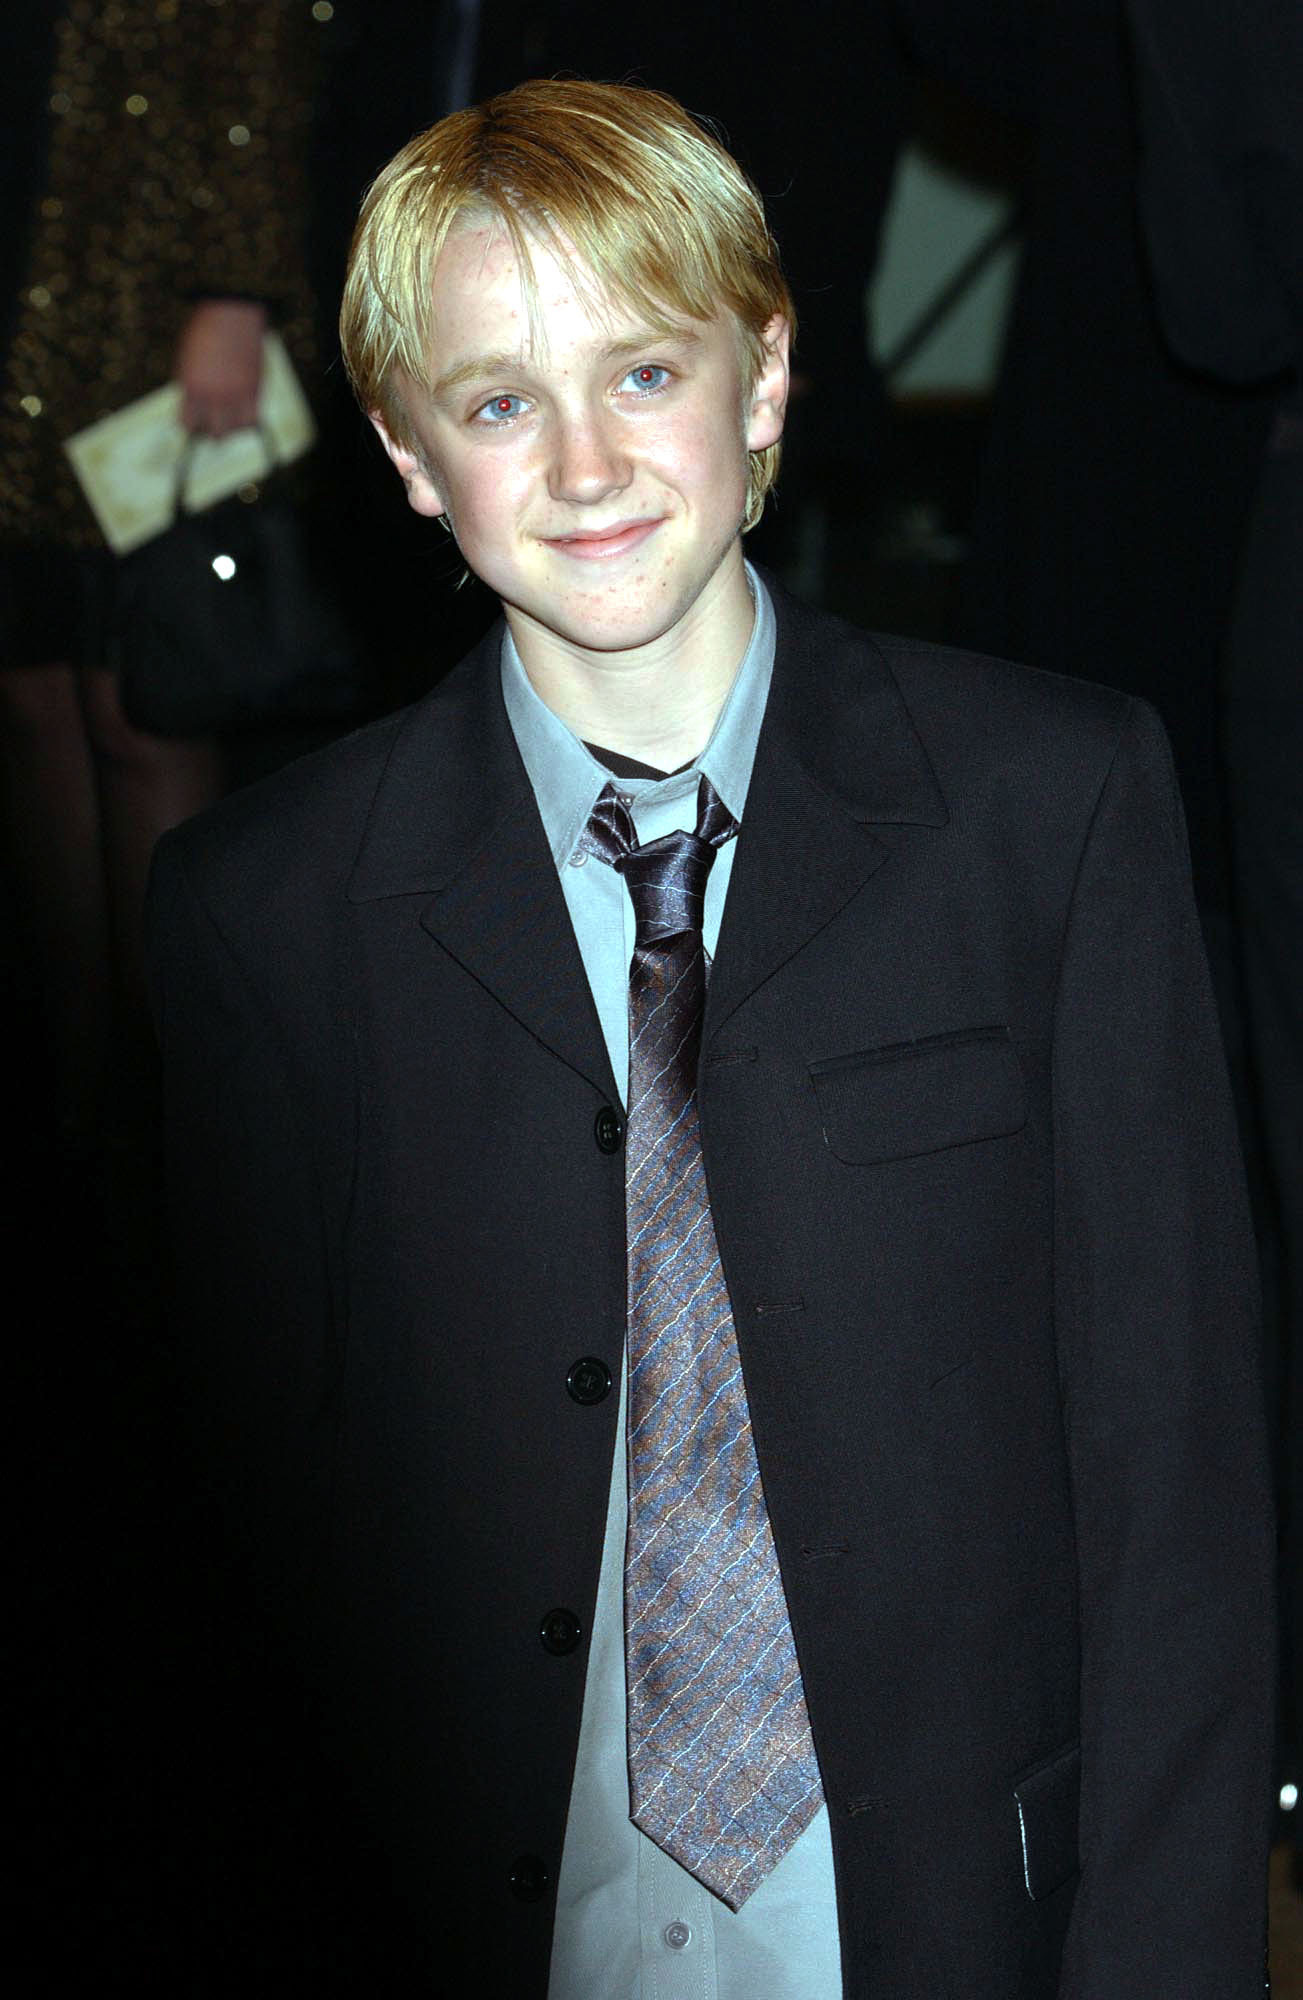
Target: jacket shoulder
[296, 829]
[999, 697]
[963, 704]
[1031, 739]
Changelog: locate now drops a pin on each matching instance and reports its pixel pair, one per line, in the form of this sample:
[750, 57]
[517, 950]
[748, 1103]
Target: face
[593, 470]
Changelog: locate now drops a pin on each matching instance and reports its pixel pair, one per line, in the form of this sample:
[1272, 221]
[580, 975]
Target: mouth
[600, 544]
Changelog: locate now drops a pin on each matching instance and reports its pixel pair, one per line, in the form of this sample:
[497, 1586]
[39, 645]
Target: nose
[588, 461]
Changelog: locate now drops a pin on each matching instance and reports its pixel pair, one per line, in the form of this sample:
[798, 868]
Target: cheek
[480, 497]
[706, 451]
[720, 452]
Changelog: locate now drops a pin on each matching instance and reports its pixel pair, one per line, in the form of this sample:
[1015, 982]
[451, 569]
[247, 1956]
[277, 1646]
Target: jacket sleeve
[254, 1333]
[251, 1343]
[1155, 1304]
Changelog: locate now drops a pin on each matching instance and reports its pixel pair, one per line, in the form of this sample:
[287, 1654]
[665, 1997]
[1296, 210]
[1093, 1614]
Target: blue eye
[500, 409]
[646, 378]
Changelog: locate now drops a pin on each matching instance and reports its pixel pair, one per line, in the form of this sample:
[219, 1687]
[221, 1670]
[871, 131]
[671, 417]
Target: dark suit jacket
[980, 1215]
[1115, 485]
[1221, 182]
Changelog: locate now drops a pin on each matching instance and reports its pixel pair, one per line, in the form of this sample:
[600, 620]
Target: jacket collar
[838, 756]
[835, 715]
[837, 710]
[453, 776]
[454, 820]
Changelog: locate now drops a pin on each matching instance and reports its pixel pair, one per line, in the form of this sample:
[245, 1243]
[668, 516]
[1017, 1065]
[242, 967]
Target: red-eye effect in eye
[646, 374]
[504, 404]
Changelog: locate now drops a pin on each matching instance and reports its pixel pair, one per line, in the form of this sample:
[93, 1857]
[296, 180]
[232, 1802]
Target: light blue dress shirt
[631, 1924]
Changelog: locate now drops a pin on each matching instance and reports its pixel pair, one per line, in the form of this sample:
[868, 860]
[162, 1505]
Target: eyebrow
[484, 367]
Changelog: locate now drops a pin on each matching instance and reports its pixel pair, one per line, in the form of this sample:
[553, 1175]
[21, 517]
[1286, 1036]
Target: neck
[656, 702]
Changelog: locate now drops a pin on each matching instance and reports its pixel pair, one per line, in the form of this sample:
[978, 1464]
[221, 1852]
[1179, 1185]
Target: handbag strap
[185, 458]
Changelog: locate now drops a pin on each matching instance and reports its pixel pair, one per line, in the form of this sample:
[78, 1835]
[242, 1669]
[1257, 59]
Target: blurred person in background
[155, 190]
[153, 158]
[1115, 481]
[1220, 101]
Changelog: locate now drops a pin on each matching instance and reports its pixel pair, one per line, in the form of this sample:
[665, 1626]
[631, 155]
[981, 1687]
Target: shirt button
[559, 1631]
[578, 858]
[677, 1935]
[608, 1130]
[589, 1381]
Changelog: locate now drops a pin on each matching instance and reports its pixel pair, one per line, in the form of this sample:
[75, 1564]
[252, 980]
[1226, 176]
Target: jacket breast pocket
[1048, 1799]
[920, 1097]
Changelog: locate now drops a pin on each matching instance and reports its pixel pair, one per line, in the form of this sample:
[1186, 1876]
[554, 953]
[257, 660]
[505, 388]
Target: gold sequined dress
[176, 170]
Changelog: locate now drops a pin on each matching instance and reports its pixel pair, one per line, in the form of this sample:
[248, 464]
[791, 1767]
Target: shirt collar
[567, 778]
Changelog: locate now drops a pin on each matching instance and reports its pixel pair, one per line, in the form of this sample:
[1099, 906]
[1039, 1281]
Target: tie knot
[666, 877]
[667, 881]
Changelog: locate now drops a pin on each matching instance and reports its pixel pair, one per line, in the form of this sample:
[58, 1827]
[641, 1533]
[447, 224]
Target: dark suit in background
[1116, 482]
[1220, 98]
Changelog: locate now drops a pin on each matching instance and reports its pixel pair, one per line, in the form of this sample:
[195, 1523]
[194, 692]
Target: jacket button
[530, 1878]
[608, 1130]
[559, 1631]
[589, 1380]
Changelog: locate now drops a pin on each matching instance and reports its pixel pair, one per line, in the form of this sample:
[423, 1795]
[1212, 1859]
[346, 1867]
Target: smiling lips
[598, 544]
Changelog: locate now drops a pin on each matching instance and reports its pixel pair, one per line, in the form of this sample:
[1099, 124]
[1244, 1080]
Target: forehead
[545, 305]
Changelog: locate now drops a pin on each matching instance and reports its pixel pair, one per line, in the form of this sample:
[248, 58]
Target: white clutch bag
[127, 463]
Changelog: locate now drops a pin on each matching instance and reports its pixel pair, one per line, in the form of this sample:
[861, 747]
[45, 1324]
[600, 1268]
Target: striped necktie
[722, 1772]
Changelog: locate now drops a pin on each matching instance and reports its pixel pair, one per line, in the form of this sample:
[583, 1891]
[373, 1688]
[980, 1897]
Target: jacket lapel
[454, 824]
[838, 754]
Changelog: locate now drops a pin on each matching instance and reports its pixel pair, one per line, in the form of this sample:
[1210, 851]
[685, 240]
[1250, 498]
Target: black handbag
[226, 620]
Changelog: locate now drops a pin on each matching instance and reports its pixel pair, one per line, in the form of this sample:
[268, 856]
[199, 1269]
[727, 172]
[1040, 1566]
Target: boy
[712, 1195]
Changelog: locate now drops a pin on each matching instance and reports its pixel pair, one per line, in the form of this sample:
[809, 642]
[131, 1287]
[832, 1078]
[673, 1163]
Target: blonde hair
[649, 202]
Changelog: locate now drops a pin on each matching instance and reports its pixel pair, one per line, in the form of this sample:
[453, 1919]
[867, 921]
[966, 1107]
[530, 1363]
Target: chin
[602, 628]
[618, 632]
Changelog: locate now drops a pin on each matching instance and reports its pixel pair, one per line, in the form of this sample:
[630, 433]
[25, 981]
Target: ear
[422, 494]
[769, 395]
